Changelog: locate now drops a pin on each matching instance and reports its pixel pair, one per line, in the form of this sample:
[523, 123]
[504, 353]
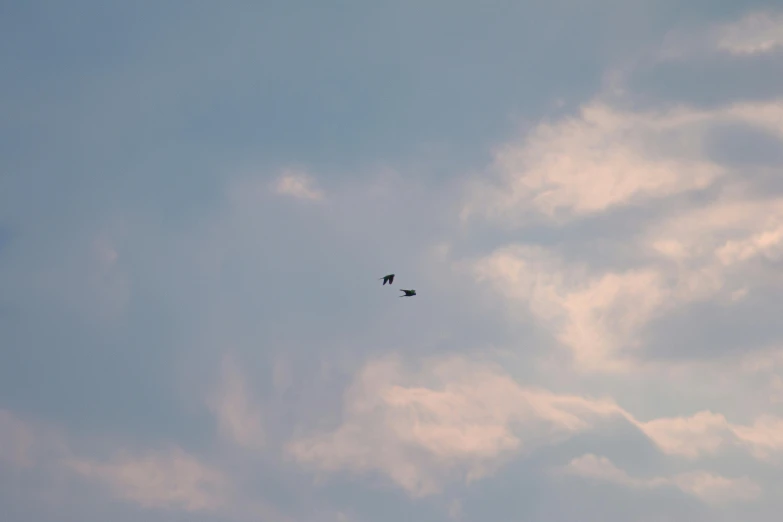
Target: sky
[197, 201]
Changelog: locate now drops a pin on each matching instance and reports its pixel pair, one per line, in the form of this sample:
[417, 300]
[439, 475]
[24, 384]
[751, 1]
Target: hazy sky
[197, 200]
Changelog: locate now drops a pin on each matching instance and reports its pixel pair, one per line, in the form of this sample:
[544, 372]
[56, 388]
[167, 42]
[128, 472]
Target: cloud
[728, 248]
[469, 420]
[757, 32]
[709, 488]
[171, 479]
[27, 443]
[704, 433]
[602, 159]
[239, 419]
[460, 420]
[716, 489]
[764, 437]
[595, 467]
[673, 223]
[722, 235]
[61, 467]
[167, 479]
[297, 184]
[90, 279]
[112, 285]
[607, 158]
[597, 316]
[725, 245]
[16, 440]
[758, 371]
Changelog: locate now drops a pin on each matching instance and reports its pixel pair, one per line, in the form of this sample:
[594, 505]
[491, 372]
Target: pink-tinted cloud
[166, 479]
[707, 487]
[239, 418]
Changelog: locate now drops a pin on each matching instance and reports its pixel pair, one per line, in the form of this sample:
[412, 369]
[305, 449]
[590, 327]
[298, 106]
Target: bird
[408, 293]
[387, 279]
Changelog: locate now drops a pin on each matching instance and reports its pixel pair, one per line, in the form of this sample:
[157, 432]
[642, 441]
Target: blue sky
[197, 201]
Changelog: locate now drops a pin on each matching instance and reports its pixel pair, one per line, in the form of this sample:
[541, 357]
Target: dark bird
[387, 279]
[408, 293]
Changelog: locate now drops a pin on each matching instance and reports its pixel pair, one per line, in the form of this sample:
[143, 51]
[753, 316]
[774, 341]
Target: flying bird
[408, 293]
[387, 279]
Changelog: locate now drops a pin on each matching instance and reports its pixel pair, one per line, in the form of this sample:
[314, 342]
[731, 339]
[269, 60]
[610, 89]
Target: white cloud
[716, 489]
[597, 316]
[460, 420]
[298, 184]
[239, 419]
[754, 376]
[757, 32]
[600, 468]
[601, 159]
[764, 438]
[722, 234]
[714, 251]
[167, 479]
[707, 487]
[171, 479]
[704, 433]
[605, 158]
[727, 248]
[461, 427]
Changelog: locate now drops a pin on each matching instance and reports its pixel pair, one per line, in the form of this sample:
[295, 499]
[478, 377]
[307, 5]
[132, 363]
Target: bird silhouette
[387, 279]
[408, 293]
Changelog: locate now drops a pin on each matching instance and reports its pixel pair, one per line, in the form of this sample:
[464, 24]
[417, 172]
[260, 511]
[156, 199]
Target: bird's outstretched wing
[391, 278]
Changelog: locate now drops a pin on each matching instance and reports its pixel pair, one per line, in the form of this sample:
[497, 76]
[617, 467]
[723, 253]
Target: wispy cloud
[28, 444]
[298, 184]
[168, 479]
[16, 440]
[694, 253]
[607, 158]
[422, 437]
[597, 286]
[602, 159]
[708, 487]
[589, 313]
[239, 418]
[473, 418]
[758, 32]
